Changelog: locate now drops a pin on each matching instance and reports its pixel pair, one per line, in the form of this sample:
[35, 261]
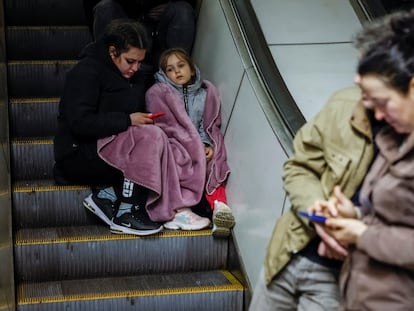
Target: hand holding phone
[312, 217]
[155, 115]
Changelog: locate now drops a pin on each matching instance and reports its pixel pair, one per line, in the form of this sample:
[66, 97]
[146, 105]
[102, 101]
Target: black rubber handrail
[284, 103]
[271, 77]
[368, 10]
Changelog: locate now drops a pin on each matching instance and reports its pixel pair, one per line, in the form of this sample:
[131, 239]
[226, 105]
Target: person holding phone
[378, 273]
[104, 95]
[181, 158]
[336, 147]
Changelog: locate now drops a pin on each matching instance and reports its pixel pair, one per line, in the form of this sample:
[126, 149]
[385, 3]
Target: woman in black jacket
[104, 95]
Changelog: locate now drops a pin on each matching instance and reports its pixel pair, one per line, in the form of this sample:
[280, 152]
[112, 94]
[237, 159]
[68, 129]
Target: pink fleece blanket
[217, 169]
[168, 157]
[161, 95]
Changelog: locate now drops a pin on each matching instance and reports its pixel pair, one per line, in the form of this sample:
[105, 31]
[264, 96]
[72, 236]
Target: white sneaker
[223, 219]
[185, 219]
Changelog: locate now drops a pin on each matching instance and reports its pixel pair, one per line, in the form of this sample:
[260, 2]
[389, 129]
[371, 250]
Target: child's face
[178, 71]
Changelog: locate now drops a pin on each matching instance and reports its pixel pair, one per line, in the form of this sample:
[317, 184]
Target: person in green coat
[336, 147]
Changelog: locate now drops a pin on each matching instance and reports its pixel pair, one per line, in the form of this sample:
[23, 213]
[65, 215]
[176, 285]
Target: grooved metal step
[44, 12]
[68, 41]
[37, 78]
[202, 291]
[32, 158]
[42, 203]
[65, 257]
[33, 117]
[64, 253]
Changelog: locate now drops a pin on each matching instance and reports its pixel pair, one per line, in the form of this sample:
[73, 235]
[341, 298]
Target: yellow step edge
[109, 237]
[48, 27]
[34, 100]
[32, 142]
[42, 62]
[20, 189]
[234, 285]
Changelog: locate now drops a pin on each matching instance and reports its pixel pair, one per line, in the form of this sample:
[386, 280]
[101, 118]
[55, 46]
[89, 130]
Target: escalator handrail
[289, 115]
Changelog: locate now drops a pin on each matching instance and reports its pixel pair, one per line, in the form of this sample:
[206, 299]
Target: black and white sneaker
[103, 208]
[137, 222]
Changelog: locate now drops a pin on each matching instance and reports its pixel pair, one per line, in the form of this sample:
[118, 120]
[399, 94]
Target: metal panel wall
[311, 44]
[309, 52]
[255, 155]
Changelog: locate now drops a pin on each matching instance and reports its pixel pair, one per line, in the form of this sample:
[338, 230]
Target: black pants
[176, 27]
[85, 167]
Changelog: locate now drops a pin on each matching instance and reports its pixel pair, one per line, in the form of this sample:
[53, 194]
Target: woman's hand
[346, 231]
[140, 118]
[209, 152]
[344, 205]
[337, 206]
[325, 251]
[329, 247]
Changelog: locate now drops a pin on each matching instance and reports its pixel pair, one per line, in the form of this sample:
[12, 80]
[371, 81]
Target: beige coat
[334, 148]
[379, 273]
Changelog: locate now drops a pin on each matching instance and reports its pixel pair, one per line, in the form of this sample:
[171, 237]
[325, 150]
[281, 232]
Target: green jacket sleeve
[303, 170]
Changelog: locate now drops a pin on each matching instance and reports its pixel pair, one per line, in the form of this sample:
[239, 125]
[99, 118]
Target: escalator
[64, 258]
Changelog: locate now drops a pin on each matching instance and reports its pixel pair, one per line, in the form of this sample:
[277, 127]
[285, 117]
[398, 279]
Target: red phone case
[156, 115]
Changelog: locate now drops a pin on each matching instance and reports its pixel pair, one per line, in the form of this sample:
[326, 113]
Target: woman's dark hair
[180, 53]
[124, 34]
[392, 59]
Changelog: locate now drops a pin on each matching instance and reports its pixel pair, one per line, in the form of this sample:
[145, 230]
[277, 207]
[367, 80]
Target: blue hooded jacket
[194, 99]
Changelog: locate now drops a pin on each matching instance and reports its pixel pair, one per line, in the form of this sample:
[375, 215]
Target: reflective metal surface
[7, 299]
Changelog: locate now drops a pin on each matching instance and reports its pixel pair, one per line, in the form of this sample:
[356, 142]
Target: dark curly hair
[392, 59]
[124, 34]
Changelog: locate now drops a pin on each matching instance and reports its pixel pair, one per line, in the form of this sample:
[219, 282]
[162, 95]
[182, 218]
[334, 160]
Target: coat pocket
[336, 170]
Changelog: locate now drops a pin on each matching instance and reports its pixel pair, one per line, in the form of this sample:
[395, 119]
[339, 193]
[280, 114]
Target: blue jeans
[176, 27]
[302, 285]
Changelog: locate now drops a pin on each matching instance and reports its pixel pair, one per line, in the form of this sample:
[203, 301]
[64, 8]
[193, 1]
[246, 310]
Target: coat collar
[394, 146]
[361, 121]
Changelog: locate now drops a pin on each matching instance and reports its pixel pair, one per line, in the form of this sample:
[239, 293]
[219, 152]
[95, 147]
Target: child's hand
[209, 152]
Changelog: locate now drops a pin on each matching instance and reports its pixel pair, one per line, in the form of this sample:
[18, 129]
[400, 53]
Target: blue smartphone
[312, 217]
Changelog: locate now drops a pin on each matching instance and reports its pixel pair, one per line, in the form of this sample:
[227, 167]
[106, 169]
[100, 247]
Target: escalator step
[64, 257]
[39, 203]
[37, 78]
[46, 42]
[33, 117]
[203, 291]
[49, 254]
[44, 12]
[32, 159]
